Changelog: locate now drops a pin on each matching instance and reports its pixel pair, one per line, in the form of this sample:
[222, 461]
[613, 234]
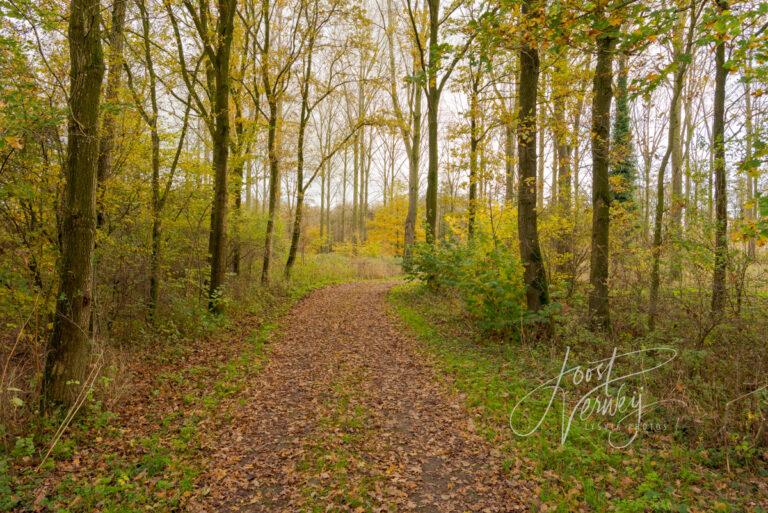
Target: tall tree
[599, 313]
[624, 168]
[151, 118]
[676, 157]
[410, 129]
[275, 72]
[430, 59]
[535, 277]
[721, 200]
[69, 348]
[674, 122]
[216, 48]
[111, 96]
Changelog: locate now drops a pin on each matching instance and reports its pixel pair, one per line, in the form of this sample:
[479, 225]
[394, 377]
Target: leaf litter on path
[348, 416]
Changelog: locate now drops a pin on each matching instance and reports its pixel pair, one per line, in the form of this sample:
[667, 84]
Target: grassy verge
[144, 453]
[656, 473]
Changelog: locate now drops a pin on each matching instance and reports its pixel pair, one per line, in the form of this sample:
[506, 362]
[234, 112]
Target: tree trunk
[114, 78]
[674, 123]
[431, 194]
[303, 115]
[355, 185]
[473, 144]
[413, 176]
[274, 185]
[563, 167]
[601, 193]
[676, 199]
[749, 178]
[218, 234]
[433, 106]
[537, 291]
[68, 356]
[344, 197]
[509, 162]
[721, 202]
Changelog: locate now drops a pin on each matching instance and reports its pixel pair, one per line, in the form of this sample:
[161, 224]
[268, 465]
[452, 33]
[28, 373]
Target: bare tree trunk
[473, 144]
[274, 186]
[433, 106]
[69, 348]
[237, 177]
[721, 201]
[413, 174]
[218, 235]
[356, 171]
[674, 123]
[114, 79]
[537, 291]
[540, 161]
[599, 313]
[509, 163]
[751, 180]
[563, 169]
[364, 191]
[344, 197]
[676, 204]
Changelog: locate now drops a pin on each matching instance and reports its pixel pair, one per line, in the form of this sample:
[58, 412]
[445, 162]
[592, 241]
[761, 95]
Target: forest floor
[348, 416]
[361, 397]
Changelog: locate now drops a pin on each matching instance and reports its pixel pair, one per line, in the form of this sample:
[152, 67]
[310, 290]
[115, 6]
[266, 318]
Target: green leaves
[489, 281]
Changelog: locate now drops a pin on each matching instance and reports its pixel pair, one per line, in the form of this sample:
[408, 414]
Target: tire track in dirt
[346, 416]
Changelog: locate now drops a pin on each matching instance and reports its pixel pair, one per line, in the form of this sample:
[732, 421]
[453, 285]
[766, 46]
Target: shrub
[489, 281]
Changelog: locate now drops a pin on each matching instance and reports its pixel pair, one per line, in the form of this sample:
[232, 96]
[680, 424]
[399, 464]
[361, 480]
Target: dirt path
[346, 416]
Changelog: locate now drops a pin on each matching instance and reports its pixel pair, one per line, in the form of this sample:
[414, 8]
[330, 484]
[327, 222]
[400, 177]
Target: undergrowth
[136, 443]
[659, 471]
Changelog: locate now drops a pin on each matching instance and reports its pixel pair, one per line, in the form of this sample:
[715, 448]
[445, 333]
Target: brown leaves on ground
[346, 416]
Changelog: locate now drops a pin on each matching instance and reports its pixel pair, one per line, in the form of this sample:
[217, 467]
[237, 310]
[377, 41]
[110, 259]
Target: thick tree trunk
[601, 192]
[303, 118]
[69, 348]
[218, 234]
[535, 277]
[721, 201]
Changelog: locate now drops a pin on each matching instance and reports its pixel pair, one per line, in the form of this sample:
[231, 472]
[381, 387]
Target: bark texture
[601, 192]
[69, 348]
[535, 277]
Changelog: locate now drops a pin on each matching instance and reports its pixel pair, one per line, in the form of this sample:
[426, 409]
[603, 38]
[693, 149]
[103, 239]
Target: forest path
[348, 416]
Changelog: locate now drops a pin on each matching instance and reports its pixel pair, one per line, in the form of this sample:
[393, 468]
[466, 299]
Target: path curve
[348, 416]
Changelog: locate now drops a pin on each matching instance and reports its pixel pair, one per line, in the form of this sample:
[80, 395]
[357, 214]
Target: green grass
[655, 474]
